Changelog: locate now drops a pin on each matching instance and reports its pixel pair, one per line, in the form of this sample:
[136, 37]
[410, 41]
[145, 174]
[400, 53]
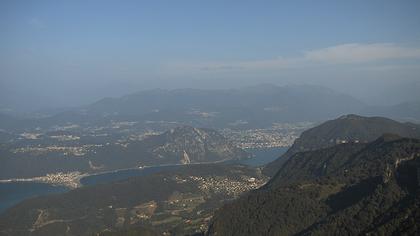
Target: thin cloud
[339, 54]
[277, 63]
[359, 53]
[385, 68]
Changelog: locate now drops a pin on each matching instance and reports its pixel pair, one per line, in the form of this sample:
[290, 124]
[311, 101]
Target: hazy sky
[63, 53]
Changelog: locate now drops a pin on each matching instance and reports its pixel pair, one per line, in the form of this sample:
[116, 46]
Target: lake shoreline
[14, 191]
[73, 179]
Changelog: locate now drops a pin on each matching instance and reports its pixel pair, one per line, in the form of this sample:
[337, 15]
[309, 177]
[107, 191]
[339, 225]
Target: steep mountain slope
[348, 189]
[348, 128]
[181, 145]
[178, 201]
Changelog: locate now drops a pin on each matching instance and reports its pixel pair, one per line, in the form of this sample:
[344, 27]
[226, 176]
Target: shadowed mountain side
[348, 128]
[348, 189]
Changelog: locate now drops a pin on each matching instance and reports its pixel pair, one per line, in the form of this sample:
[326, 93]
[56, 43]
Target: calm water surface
[13, 193]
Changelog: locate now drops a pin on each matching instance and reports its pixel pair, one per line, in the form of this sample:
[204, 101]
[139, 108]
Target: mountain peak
[194, 145]
[342, 190]
[345, 129]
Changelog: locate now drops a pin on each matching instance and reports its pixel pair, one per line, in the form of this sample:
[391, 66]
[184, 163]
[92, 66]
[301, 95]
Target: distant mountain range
[292, 103]
[182, 145]
[408, 111]
[250, 107]
[347, 189]
[347, 128]
[257, 106]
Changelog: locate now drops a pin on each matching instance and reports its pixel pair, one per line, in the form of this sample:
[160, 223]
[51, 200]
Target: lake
[13, 193]
[263, 156]
[123, 174]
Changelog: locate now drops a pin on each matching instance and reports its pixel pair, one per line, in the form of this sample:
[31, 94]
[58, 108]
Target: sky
[68, 53]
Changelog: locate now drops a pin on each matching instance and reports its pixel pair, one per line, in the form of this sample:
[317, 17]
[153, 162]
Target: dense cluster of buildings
[279, 135]
[65, 150]
[228, 186]
[69, 179]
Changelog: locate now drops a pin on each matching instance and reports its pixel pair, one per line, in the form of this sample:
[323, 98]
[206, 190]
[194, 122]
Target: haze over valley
[209, 118]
